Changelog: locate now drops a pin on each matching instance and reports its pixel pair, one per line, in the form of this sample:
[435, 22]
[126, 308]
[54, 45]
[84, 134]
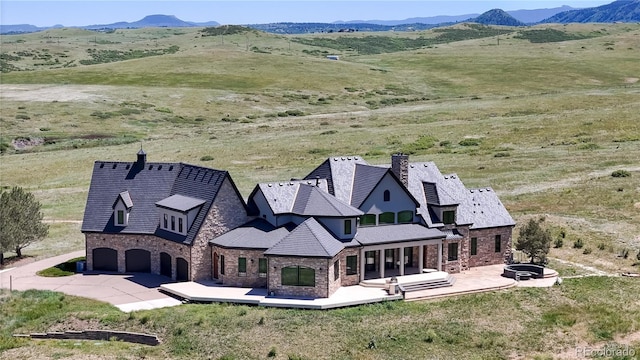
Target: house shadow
[149, 281]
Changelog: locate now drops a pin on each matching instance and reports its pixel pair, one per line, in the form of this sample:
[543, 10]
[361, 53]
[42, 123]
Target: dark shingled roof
[364, 181]
[311, 201]
[309, 239]
[256, 234]
[180, 202]
[339, 172]
[147, 183]
[371, 235]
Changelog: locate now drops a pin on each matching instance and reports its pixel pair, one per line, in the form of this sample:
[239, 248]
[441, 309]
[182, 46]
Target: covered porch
[398, 250]
[383, 261]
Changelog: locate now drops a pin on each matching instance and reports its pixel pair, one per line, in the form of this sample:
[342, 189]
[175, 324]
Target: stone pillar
[363, 264]
[381, 261]
[420, 258]
[401, 250]
[440, 256]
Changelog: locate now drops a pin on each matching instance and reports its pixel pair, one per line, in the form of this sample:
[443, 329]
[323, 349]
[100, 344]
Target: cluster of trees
[20, 221]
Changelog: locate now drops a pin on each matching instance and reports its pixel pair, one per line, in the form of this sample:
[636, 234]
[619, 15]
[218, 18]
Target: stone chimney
[400, 167]
[142, 158]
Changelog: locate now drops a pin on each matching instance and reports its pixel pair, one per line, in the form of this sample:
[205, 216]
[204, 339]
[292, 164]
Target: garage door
[137, 260]
[165, 264]
[182, 269]
[105, 259]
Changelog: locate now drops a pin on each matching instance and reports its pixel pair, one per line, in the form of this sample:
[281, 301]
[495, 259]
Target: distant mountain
[417, 20]
[497, 17]
[534, 16]
[622, 11]
[16, 29]
[152, 21]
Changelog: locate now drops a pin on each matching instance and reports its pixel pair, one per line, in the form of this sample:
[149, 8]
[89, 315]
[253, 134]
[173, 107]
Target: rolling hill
[617, 11]
[497, 17]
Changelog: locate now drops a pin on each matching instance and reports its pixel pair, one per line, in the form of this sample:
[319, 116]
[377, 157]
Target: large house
[345, 222]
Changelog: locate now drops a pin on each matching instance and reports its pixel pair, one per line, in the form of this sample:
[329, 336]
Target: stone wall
[123, 242]
[226, 213]
[320, 265]
[231, 277]
[486, 246]
[349, 280]
[431, 257]
[102, 335]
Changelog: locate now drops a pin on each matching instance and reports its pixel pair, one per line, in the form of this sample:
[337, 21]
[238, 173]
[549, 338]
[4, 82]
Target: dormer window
[120, 217]
[121, 209]
[448, 217]
[178, 212]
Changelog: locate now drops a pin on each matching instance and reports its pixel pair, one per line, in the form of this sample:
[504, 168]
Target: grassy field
[544, 123]
[541, 323]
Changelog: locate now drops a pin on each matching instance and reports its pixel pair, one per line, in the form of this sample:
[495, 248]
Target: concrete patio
[130, 292]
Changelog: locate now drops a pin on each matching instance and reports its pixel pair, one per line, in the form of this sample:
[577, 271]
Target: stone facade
[348, 280]
[226, 213]
[230, 276]
[123, 242]
[486, 254]
[322, 267]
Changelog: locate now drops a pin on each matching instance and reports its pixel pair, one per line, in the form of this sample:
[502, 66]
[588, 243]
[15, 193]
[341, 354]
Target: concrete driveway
[128, 292]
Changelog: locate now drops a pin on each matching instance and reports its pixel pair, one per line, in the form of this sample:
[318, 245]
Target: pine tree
[20, 221]
[534, 241]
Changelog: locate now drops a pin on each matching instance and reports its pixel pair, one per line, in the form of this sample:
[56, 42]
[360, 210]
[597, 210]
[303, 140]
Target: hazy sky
[92, 12]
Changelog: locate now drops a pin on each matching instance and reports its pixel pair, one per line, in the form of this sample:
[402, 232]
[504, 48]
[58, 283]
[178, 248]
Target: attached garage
[182, 269]
[137, 260]
[105, 259]
[165, 264]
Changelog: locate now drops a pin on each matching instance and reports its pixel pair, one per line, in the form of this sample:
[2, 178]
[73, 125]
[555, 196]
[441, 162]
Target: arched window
[387, 195]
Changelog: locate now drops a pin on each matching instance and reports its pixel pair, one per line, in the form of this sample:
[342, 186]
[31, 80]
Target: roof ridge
[316, 235]
[295, 198]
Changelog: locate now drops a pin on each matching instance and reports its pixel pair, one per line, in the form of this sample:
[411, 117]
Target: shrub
[601, 246]
[620, 173]
[430, 336]
[469, 142]
[294, 113]
[624, 253]
[22, 117]
[578, 244]
[558, 243]
[206, 158]
[586, 251]
[272, 352]
[502, 154]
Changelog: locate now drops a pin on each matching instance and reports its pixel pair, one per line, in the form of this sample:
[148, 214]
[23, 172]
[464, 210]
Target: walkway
[128, 292]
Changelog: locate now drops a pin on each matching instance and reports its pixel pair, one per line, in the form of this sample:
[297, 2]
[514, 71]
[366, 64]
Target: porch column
[381, 262]
[440, 256]
[363, 262]
[420, 258]
[401, 249]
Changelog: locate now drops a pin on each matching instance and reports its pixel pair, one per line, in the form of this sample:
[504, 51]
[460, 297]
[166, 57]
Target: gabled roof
[311, 201]
[256, 234]
[281, 196]
[126, 199]
[479, 208]
[147, 184]
[309, 239]
[485, 208]
[340, 173]
[365, 179]
[180, 202]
